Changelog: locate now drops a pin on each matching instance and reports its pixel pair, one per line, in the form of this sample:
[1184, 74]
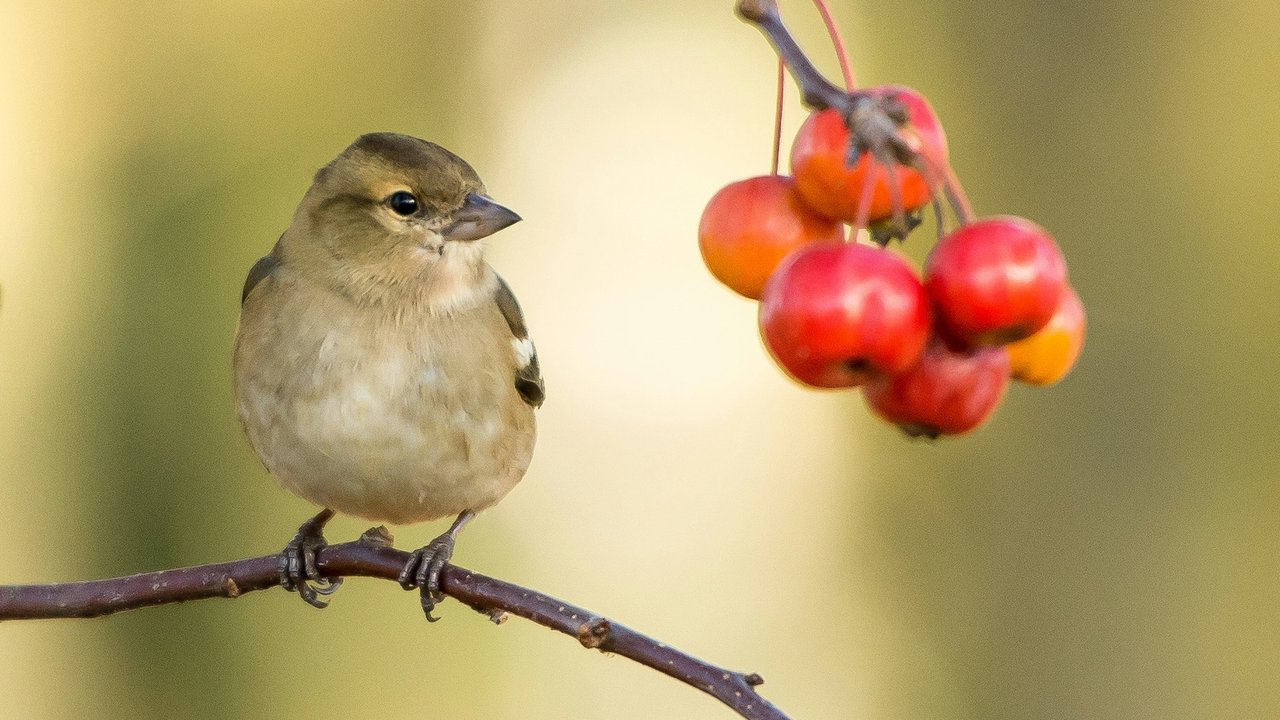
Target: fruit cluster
[933, 355]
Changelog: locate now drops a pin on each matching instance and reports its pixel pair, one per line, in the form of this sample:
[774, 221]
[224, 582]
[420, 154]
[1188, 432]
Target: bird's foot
[298, 569]
[425, 565]
[423, 572]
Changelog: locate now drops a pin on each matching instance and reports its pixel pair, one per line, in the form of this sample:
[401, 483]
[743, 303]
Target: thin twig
[816, 91]
[371, 558]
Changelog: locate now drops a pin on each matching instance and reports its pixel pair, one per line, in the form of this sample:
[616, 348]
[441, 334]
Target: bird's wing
[528, 374]
[261, 269]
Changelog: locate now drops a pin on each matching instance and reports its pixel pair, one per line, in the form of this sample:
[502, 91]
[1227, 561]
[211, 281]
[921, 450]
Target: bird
[382, 368]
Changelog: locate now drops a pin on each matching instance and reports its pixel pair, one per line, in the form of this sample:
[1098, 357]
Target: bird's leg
[298, 570]
[424, 566]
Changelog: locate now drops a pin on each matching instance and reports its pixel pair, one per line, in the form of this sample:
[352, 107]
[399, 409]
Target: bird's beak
[478, 218]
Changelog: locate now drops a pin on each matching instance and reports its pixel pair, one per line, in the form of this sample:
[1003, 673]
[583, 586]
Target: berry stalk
[846, 68]
[777, 117]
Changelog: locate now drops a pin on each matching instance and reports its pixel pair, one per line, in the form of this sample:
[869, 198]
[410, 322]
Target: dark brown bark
[370, 557]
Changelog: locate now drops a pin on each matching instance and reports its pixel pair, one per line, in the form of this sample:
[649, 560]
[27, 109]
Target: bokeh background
[1108, 548]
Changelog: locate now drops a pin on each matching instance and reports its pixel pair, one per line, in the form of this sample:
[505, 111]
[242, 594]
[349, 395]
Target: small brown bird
[382, 368]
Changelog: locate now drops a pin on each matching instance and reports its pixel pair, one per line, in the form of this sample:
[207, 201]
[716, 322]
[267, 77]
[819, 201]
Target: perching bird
[382, 368]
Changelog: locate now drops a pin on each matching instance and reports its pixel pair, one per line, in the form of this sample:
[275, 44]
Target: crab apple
[751, 225]
[1046, 357]
[948, 392]
[995, 281]
[820, 161]
[836, 315]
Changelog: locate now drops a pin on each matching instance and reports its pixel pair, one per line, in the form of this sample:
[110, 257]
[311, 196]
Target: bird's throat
[459, 279]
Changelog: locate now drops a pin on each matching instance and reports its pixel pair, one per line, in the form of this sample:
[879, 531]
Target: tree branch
[372, 557]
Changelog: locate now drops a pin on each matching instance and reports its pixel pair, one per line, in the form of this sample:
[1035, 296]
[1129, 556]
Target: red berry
[819, 161]
[751, 225]
[946, 393]
[995, 281]
[1046, 357]
[835, 315]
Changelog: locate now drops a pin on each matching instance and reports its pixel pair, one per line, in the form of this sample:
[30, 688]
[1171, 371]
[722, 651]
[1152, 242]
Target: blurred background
[1108, 548]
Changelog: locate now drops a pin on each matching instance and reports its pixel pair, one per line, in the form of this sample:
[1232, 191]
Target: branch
[873, 121]
[372, 557]
[816, 91]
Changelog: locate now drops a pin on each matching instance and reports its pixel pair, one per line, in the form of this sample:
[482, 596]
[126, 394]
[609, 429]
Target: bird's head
[393, 215]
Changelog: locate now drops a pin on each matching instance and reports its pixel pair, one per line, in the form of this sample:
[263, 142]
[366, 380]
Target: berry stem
[944, 178]
[957, 196]
[777, 118]
[864, 202]
[846, 68]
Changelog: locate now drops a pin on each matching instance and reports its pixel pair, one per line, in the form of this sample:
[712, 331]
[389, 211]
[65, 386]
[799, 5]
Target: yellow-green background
[1104, 549]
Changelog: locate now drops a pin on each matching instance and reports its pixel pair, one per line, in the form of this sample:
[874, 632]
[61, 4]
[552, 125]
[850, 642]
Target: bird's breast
[392, 421]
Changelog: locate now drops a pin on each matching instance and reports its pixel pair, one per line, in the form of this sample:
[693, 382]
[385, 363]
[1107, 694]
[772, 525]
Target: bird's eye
[403, 203]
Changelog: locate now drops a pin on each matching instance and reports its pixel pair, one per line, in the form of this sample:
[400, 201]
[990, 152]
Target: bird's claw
[298, 569]
[423, 570]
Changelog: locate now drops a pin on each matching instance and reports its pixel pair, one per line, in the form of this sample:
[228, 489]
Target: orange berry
[1046, 357]
[751, 225]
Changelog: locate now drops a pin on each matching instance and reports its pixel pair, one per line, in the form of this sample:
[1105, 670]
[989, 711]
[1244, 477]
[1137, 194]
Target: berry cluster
[933, 355]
